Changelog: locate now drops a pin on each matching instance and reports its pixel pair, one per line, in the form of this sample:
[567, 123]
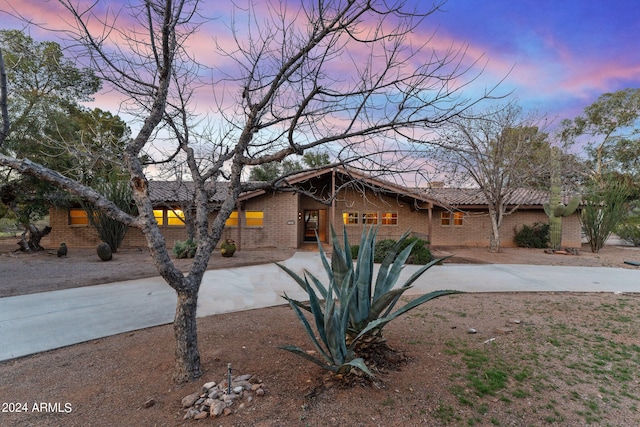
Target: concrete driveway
[49, 320]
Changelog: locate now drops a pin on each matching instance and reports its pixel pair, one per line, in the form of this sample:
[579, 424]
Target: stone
[238, 389]
[190, 399]
[201, 416]
[213, 394]
[149, 403]
[255, 387]
[191, 413]
[260, 392]
[208, 386]
[245, 377]
[516, 321]
[217, 408]
[472, 331]
[503, 330]
[227, 412]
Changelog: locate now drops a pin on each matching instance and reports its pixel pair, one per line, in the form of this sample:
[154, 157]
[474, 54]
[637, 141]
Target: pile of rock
[216, 399]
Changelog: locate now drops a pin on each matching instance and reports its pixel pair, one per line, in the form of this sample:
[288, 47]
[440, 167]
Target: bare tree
[323, 72]
[499, 151]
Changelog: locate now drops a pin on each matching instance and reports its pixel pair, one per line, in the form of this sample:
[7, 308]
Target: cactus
[104, 251]
[554, 208]
[186, 249]
[228, 248]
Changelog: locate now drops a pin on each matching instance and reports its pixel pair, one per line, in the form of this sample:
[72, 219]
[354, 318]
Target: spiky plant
[371, 303]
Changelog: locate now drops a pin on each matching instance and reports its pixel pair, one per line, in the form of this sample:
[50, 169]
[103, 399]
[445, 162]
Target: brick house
[288, 219]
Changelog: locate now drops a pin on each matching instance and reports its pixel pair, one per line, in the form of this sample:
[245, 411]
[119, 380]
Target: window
[159, 215]
[457, 218]
[175, 217]
[446, 218]
[78, 217]
[370, 218]
[350, 218]
[254, 218]
[168, 216]
[389, 218]
[232, 221]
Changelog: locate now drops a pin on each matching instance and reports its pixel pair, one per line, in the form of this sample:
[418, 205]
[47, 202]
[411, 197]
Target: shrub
[420, 254]
[364, 306]
[354, 251]
[534, 236]
[630, 232]
[186, 249]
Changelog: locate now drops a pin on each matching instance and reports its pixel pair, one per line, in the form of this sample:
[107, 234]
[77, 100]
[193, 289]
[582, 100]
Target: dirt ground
[563, 359]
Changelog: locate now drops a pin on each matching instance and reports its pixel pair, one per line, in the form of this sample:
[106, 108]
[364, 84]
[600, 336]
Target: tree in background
[274, 170]
[500, 151]
[610, 128]
[49, 127]
[286, 79]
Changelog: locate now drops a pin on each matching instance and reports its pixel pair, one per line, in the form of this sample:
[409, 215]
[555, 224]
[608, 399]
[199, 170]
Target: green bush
[186, 249]
[533, 236]
[420, 254]
[354, 251]
[630, 232]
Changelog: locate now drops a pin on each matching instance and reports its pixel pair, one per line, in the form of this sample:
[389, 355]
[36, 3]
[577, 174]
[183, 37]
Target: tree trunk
[31, 237]
[186, 337]
[494, 240]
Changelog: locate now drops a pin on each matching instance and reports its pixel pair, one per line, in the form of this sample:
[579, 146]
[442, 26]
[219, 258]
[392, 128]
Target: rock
[201, 416]
[213, 394]
[190, 399]
[516, 321]
[503, 330]
[256, 387]
[245, 377]
[217, 408]
[208, 386]
[472, 331]
[149, 403]
[227, 412]
[238, 389]
[260, 392]
[191, 413]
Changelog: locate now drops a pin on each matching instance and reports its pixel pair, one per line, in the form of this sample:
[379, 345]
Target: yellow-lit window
[445, 218]
[389, 218]
[175, 217]
[350, 218]
[458, 218]
[78, 217]
[254, 218]
[159, 215]
[370, 218]
[232, 221]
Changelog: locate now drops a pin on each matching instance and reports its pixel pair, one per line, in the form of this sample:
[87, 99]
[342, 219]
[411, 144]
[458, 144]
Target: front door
[315, 222]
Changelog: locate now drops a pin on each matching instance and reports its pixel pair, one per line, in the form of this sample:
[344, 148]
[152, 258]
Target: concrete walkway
[49, 320]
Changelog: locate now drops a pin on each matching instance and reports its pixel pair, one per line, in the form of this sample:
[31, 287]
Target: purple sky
[562, 54]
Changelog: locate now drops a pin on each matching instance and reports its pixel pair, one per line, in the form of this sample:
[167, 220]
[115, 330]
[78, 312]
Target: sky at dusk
[555, 56]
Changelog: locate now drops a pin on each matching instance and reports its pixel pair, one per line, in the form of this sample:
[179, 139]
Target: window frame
[350, 218]
[389, 218]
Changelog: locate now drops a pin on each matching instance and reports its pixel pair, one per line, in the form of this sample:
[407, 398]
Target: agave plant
[331, 320]
[365, 306]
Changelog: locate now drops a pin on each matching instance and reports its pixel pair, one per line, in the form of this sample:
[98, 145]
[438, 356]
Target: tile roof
[182, 191]
[474, 197]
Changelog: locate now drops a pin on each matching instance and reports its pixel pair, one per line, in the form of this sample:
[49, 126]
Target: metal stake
[229, 378]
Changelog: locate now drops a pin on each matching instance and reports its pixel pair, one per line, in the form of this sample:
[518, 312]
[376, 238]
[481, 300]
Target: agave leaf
[363, 278]
[386, 263]
[299, 280]
[309, 331]
[359, 363]
[318, 284]
[420, 300]
[339, 266]
[385, 300]
[384, 286]
[319, 362]
[415, 276]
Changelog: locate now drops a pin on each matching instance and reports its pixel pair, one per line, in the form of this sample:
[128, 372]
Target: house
[288, 219]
